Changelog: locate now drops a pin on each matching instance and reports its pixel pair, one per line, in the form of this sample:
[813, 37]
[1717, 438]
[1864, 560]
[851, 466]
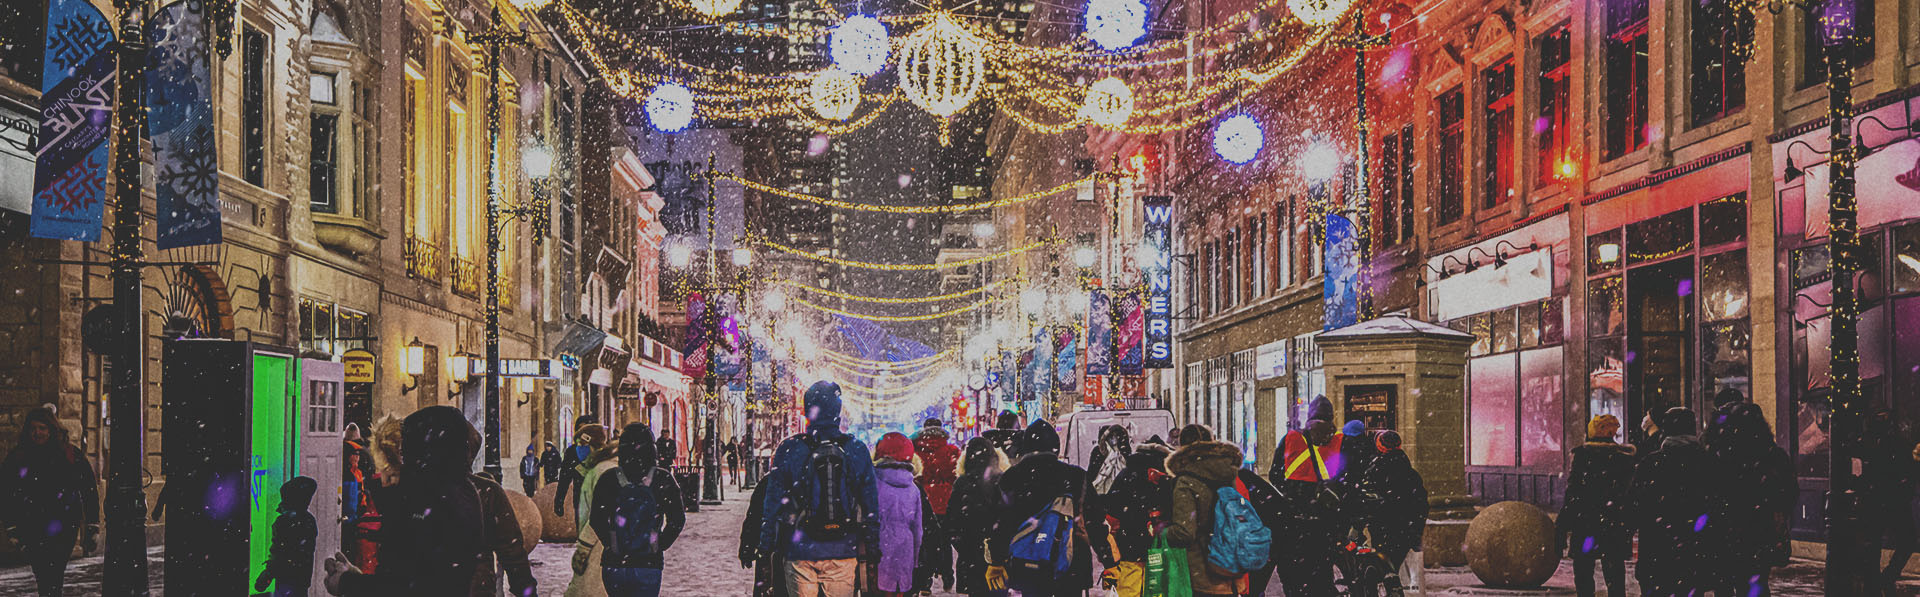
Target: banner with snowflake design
[76, 120]
[180, 120]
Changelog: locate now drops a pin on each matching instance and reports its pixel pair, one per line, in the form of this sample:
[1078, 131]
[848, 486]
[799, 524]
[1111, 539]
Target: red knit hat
[894, 446]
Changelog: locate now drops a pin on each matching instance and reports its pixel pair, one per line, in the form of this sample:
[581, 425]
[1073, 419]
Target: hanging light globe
[942, 67]
[1318, 13]
[1238, 139]
[834, 94]
[1116, 24]
[715, 8]
[670, 107]
[1109, 103]
[859, 45]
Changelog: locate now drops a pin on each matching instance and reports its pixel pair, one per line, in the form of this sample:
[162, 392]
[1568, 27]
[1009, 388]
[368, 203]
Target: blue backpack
[1240, 542]
[1043, 547]
[637, 515]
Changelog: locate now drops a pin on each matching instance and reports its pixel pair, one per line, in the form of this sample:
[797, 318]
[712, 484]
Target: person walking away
[1303, 471]
[587, 549]
[908, 530]
[289, 568]
[1108, 457]
[669, 451]
[1671, 497]
[1754, 500]
[1888, 476]
[506, 549]
[432, 538]
[588, 439]
[1005, 433]
[768, 579]
[1122, 522]
[530, 471]
[1593, 524]
[1204, 473]
[939, 460]
[50, 499]
[972, 511]
[820, 508]
[637, 515]
[1397, 497]
[550, 462]
[1039, 493]
[733, 461]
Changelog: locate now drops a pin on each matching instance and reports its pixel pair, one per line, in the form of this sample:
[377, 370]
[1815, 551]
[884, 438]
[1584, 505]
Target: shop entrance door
[1659, 313]
[322, 439]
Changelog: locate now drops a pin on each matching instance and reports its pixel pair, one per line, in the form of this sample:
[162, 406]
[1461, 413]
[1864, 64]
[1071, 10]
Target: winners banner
[76, 121]
[1158, 272]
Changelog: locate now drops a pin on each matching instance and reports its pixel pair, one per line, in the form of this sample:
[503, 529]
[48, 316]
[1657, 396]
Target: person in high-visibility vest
[1309, 459]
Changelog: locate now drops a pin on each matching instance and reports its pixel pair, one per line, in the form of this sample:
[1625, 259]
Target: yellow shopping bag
[1126, 579]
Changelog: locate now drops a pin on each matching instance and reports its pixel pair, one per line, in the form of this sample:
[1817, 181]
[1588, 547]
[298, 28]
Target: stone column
[1422, 367]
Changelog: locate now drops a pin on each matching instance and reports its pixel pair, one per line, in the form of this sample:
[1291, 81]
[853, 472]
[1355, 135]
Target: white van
[1079, 431]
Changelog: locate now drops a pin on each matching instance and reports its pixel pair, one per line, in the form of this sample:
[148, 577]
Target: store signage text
[1158, 273]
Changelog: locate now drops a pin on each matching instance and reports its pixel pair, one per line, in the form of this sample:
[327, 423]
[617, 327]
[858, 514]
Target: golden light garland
[912, 209]
[896, 301]
[913, 371]
[857, 361]
[895, 318]
[905, 267]
[1038, 87]
[835, 94]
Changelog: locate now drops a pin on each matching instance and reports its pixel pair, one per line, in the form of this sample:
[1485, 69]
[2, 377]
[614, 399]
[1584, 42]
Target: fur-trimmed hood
[1215, 463]
[1597, 446]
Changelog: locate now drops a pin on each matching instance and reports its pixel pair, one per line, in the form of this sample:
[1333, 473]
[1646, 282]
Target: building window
[253, 106]
[1719, 69]
[1626, 78]
[1283, 242]
[324, 159]
[1262, 275]
[1813, 42]
[1406, 182]
[1450, 202]
[1389, 191]
[1498, 160]
[1550, 126]
[326, 327]
[1515, 385]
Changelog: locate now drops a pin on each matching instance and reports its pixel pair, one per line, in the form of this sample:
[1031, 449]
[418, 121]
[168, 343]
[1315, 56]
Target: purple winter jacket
[901, 526]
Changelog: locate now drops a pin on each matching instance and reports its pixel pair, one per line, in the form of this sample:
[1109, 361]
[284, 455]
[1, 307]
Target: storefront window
[1723, 286]
[1530, 325]
[1603, 252]
[1725, 350]
[1659, 238]
[1553, 321]
[1906, 259]
[1809, 265]
[1481, 326]
[1723, 220]
[1605, 308]
[1491, 408]
[1607, 380]
[1542, 385]
[1503, 331]
[1872, 281]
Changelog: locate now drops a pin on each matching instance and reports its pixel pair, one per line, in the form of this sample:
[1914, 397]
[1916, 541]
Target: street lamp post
[126, 558]
[1363, 222]
[1848, 566]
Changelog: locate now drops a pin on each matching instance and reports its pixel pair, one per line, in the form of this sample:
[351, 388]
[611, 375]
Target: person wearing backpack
[1303, 471]
[1122, 523]
[1396, 500]
[1039, 543]
[637, 514]
[820, 511]
[1223, 535]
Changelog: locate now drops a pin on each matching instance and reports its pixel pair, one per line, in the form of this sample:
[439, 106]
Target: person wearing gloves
[820, 511]
[637, 513]
[1038, 478]
[971, 514]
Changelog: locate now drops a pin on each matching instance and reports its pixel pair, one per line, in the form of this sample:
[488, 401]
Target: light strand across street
[895, 301]
[912, 209]
[896, 318]
[907, 267]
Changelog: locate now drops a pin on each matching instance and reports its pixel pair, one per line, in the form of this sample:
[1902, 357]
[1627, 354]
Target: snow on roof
[1393, 326]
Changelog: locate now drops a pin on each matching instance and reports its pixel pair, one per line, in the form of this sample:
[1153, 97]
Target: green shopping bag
[1167, 573]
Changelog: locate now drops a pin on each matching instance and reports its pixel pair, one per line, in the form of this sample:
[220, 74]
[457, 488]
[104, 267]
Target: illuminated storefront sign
[1157, 269]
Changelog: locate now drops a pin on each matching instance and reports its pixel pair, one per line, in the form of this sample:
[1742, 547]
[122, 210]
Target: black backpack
[827, 510]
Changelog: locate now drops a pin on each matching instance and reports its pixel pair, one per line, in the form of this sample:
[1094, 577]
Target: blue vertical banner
[76, 122]
[1127, 352]
[1341, 290]
[1066, 363]
[179, 89]
[1041, 368]
[1099, 333]
[1158, 274]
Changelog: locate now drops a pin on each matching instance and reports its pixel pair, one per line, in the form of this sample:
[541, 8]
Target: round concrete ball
[554, 528]
[528, 515]
[1510, 545]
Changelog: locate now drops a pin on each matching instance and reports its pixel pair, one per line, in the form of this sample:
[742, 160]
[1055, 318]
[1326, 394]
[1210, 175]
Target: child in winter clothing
[530, 471]
[290, 556]
[906, 520]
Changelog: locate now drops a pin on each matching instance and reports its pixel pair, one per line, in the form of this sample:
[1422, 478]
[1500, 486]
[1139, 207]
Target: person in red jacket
[939, 460]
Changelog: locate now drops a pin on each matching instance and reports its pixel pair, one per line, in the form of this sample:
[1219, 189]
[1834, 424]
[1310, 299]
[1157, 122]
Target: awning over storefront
[579, 341]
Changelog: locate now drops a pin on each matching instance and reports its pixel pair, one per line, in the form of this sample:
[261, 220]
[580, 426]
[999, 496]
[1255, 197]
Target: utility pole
[493, 39]
[126, 503]
[1363, 222]
[1847, 564]
[710, 322]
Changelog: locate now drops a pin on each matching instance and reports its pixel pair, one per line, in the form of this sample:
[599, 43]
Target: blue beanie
[823, 404]
[1354, 428]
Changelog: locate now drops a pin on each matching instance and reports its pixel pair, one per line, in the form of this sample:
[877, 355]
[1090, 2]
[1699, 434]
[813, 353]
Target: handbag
[1129, 579]
[1167, 573]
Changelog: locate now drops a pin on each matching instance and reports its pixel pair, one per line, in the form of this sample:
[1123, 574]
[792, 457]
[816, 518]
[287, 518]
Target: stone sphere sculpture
[1510, 545]
[528, 515]
[554, 528]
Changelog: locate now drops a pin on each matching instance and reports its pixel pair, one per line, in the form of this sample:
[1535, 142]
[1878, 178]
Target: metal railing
[423, 259]
[466, 278]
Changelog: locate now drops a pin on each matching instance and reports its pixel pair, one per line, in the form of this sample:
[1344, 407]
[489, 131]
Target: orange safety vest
[1297, 457]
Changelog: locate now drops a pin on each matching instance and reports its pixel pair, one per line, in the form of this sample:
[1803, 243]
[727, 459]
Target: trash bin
[689, 480]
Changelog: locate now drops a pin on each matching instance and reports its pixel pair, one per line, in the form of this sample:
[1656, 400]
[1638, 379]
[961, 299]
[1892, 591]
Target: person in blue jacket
[820, 509]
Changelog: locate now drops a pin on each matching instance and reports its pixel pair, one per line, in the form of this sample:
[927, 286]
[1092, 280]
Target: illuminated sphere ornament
[859, 45]
[1318, 13]
[715, 8]
[1116, 24]
[1238, 139]
[835, 94]
[1109, 103]
[942, 67]
[670, 107]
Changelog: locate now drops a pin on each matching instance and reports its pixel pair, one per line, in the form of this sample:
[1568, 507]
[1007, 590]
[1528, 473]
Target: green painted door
[273, 422]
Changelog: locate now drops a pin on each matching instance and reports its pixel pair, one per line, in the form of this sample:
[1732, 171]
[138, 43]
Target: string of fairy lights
[947, 61]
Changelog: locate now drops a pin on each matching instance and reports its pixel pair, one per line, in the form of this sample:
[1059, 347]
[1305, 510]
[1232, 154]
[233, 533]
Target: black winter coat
[1397, 496]
[971, 514]
[1595, 518]
[768, 579]
[1753, 507]
[1035, 481]
[45, 484]
[1672, 499]
[1133, 510]
[290, 554]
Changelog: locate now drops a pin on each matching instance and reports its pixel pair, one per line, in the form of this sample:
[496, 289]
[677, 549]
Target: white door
[322, 441]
